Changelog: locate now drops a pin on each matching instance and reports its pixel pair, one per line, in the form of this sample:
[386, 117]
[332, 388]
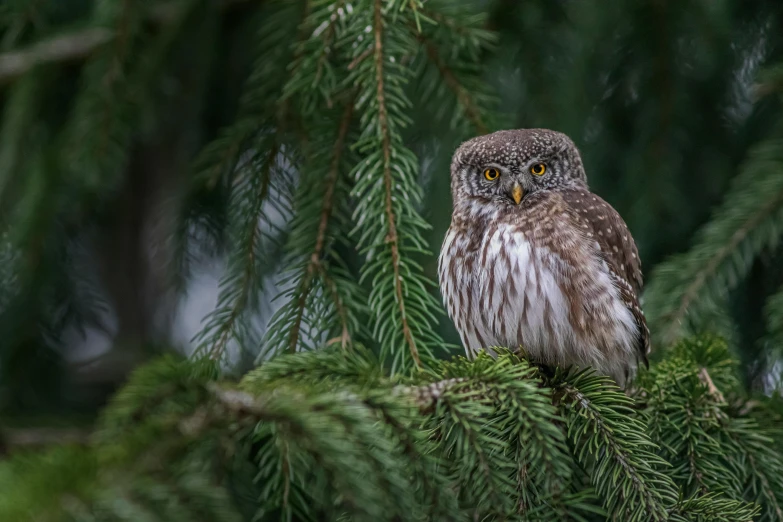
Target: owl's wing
[604, 224]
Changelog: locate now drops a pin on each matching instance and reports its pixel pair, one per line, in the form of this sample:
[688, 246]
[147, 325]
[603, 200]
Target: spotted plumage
[534, 261]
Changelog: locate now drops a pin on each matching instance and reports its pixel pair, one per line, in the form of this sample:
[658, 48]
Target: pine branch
[335, 439]
[773, 311]
[761, 465]
[746, 224]
[317, 73]
[709, 508]
[327, 367]
[116, 81]
[615, 449]
[322, 300]
[320, 240]
[324, 434]
[388, 224]
[454, 45]
[479, 408]
[256, 186]
[463, 98]
[687, 421]
[82, 43]
[383, 126]
[261, 112]
[246, 262]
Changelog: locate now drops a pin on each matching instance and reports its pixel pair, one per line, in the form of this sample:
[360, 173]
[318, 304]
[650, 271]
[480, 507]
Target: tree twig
[64, 48]
[37, 437]
[463, 97]
[710, 267]
[392, 238]
[326, 213]
[78, 45]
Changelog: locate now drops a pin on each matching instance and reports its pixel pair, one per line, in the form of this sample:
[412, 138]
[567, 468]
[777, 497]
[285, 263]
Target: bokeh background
[106, 106]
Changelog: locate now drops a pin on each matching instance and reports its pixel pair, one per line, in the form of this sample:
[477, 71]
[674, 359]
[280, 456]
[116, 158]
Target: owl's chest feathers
[523, 285]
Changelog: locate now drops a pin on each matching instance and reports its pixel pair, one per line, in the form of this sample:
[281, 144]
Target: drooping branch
[314, 265]
[392, 238]
[251, 248]
[463, 97]
[720, 255]
[60, 49]
[80, 44]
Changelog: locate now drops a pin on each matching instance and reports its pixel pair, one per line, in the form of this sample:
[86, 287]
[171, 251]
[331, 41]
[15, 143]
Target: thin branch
[37, 437]
[392, 239]
[463, 97]
[239, 304]
[80, 44]
[704, 377]
[769, 492]
[359, 59]
[692, 291]
[345, 335]
[619, 454]
[427, 395]
[64, 48]
[326, 212]
[113, 75]
[328, 39]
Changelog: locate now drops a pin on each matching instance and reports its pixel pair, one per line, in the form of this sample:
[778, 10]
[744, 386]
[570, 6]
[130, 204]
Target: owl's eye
[538, 169]
[491, 174]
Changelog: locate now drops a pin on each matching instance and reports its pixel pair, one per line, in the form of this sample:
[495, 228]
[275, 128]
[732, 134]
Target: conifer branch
[758, 461]
[251, 183]
[452, 48]
[463, 97]
[688, 419]
[391, 220]
[692, 291]
[345, 339]
[766, 487]
[237, 288]
[388, 225]
[251, 247]
[81, 44]
[773, 312]
[62, 48]
[314, 265]
[745, 224]
[113, 75]
[100, 125]
[326, 433]
[623, 470]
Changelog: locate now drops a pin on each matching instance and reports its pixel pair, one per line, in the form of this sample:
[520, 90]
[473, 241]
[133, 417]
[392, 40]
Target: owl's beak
[517, 193]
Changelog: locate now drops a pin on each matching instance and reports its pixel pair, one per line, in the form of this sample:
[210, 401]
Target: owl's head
[508, 166]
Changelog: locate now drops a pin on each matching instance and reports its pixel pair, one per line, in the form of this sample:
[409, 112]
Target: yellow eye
[491, 174]
[538, 169]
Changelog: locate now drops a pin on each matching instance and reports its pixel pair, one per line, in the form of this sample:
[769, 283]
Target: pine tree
[299, 142]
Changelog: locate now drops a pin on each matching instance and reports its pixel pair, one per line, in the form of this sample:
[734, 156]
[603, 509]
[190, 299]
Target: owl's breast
[555, 299]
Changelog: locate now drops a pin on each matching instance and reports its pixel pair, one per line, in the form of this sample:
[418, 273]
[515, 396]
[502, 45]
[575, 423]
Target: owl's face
[506, 167]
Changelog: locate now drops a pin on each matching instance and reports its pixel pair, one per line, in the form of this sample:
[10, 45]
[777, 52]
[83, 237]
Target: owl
[535, 262]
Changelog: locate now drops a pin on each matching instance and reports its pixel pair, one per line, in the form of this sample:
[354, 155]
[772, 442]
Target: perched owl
[534, 260]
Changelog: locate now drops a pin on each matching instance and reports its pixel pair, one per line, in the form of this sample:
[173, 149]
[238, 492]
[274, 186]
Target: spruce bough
[327, 435]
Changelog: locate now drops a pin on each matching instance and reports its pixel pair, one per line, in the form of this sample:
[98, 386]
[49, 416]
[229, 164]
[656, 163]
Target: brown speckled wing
[604, 224]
